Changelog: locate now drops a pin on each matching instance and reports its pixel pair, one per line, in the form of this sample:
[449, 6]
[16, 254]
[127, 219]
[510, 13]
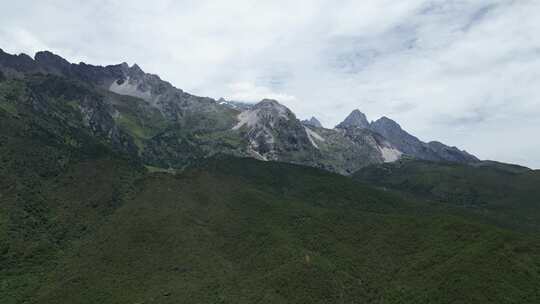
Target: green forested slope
[507, 195]
[80, 223]
[216, 234]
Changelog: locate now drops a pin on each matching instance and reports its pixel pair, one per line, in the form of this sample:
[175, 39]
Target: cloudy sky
[463, 72]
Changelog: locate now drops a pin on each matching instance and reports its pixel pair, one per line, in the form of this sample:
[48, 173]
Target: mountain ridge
[197, 127]
[406, 143]
[104, 199]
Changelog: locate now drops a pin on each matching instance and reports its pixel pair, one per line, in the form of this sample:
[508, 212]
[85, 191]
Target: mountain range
[117, 187]
[169, 128]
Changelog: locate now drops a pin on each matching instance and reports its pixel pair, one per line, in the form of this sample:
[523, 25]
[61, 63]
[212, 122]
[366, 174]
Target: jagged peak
[25, 56]
[355, 119]
[272, 104]
[136, 68]
[313, 121]
[385, 122]
[266, 111]
[269, 102]
[46, 54]
[385, 119]
[20, 62]
[48, 58]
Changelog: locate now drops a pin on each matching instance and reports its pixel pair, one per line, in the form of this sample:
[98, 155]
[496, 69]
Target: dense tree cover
[83, 222]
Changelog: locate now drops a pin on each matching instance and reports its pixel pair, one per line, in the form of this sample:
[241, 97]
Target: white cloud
[461, 71]
[246, 91]
[21, 41]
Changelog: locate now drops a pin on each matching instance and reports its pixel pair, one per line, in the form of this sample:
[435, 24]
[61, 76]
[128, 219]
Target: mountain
[404, 142]
[412, 146]
[313, 122]
[166, 127]
[356, 119]
[119, 198]
[84, 224]
[273, 132]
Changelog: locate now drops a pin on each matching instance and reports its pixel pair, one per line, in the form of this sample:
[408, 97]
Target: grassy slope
[138, 118]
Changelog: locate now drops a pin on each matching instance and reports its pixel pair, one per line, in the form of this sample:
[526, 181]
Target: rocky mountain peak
[48, 58]
[356, 119]
[266, 112]
[413, 146]
[135, 70]
[269, 129]
[386, 124]
[21, 63]
[397, 136]
[52, 63]
[269, 103]
[313, 122]
[273, 131]
[274, 108]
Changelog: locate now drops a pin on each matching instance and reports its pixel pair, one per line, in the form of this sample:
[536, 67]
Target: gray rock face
[121, 79]
[17, 65]
[273, 132]
[167, 127]
[53, 63]
[414, 147]
[404, 142]
[96, 114]
[174, 104]
[452, 154]
[356, 119]
[313, 122]
[393, 132]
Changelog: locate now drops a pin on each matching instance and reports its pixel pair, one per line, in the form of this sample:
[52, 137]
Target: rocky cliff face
[312, 122]
[403, 142]
[356, 119]
[412, 146]
[121, 79]
[273, 132]
[140, 114]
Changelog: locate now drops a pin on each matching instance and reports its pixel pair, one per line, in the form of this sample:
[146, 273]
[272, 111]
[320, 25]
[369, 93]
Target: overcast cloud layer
[466, 73]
